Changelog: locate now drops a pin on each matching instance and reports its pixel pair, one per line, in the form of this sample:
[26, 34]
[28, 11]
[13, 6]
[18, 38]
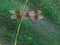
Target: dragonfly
[32, 15]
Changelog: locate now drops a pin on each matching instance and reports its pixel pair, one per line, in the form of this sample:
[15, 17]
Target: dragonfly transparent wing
[39, 11]
[31, 13]
[12, 11]
[39, 17]
[13, 17]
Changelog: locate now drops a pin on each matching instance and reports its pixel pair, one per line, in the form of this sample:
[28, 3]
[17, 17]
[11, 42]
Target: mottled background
[46, 31]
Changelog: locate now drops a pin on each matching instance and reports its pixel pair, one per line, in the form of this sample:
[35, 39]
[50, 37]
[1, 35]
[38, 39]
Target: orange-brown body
[36, 15]
[18, 15]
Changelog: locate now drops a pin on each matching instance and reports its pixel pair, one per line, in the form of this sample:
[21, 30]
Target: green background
[46, 31]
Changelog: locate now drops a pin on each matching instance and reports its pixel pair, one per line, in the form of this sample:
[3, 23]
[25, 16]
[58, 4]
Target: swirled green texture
[47, 30]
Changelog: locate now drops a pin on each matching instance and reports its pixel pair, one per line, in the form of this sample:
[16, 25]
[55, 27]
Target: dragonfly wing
[39, 11]
[12, 11]
[31, 13]
[40, 17]
[13, 17]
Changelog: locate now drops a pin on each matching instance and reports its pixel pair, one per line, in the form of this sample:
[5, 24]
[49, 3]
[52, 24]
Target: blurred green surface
[46, 31]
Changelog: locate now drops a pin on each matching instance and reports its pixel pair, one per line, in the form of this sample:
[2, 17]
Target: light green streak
[19, 26]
